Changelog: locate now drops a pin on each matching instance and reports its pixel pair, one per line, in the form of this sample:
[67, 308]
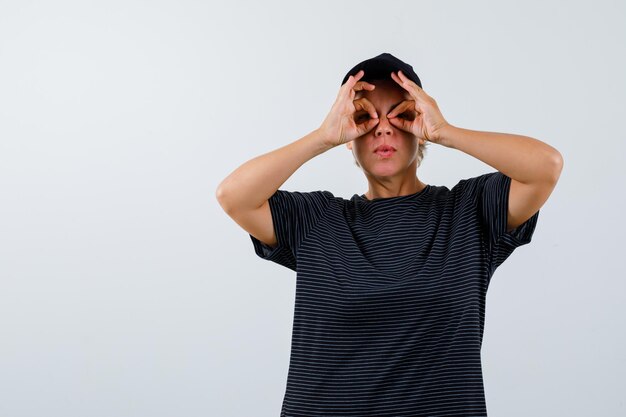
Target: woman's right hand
[340, 126]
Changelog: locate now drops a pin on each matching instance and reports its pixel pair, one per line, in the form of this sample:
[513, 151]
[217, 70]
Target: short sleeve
[294, 215]
[489, 195]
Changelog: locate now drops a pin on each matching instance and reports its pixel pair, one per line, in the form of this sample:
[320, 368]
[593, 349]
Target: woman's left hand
[423, 117]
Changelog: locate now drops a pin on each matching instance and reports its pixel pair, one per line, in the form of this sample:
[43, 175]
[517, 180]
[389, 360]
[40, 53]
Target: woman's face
[384, 97]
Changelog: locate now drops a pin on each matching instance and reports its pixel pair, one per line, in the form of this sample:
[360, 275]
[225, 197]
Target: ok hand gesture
[425, 119]
[340, 126]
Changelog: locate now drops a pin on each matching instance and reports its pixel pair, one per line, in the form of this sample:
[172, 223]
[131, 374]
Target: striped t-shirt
[390, 296]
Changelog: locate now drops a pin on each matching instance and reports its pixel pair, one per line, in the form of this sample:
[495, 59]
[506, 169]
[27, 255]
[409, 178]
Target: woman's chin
[383, 168]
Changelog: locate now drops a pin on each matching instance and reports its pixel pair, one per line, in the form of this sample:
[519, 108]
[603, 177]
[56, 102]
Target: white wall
[125, 290]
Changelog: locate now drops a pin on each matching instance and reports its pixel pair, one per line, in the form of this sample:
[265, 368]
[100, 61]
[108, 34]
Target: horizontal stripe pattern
[390, 296]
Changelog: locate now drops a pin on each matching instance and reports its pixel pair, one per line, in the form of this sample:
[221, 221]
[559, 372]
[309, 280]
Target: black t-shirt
[390, 296]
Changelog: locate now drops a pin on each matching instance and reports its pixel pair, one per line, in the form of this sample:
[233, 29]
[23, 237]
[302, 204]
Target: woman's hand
[340, 125]
[422, 115]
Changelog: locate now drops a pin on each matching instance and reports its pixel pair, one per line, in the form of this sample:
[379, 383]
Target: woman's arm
[533, 166]
[254, 182]
[522, 158]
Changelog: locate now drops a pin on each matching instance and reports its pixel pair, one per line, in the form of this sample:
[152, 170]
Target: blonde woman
[391, 283]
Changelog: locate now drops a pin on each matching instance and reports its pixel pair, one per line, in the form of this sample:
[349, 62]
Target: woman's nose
[383, 127]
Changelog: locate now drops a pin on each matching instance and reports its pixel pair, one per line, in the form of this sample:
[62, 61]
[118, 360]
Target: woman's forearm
[522, 158]
[255, 181]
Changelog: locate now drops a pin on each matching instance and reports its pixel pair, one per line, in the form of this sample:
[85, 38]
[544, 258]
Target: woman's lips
[385, 153]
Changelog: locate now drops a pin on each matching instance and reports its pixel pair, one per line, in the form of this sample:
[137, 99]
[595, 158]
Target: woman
[391, 284]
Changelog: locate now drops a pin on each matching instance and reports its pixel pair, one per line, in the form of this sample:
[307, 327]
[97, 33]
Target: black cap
[380, 67]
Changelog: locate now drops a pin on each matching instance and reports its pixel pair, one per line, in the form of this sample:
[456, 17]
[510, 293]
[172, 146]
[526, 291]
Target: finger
[404, 85]
[402, 107]
[401, 124]
[356, 77]
[348, 87]
[412, 84]
[351, 81]
[407, 80]
[396, 78]
[407, 84]
[366, 105]
[363, 85]
[363, 128]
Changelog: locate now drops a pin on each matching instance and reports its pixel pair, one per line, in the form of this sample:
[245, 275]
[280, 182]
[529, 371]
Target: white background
[125, 290]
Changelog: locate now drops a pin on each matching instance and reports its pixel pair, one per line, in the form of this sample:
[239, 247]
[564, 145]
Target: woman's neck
[383, 190]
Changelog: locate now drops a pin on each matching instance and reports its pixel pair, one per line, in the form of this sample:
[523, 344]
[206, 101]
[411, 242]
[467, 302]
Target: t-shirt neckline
[396, 198]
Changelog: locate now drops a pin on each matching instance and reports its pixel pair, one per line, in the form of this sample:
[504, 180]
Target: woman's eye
[362, 116]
